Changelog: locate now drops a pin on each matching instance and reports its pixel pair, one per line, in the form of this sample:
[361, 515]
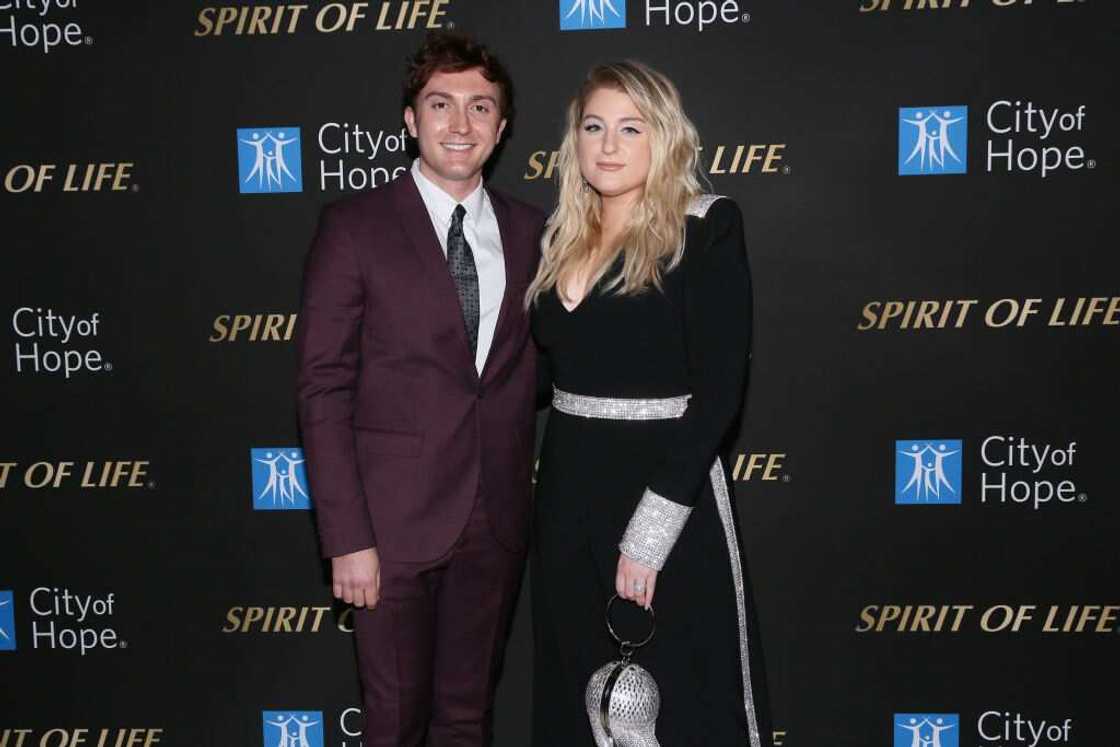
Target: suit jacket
[400, 432]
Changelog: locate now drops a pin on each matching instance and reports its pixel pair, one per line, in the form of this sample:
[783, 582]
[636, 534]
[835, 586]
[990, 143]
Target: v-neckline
[586, 295]
[587, 291]
[574, 309]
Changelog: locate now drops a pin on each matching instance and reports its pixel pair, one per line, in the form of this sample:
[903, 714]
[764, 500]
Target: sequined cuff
[653, 529]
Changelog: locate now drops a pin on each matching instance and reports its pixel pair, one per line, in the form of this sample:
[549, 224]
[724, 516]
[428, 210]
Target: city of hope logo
[932, 140]
[927, 472]
[926, 730]
[582, 15]
[293, 728]
[268, 160]
[7, 622]
[279, 479]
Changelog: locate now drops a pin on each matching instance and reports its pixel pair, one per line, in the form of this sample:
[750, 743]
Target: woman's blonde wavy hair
[653, 240]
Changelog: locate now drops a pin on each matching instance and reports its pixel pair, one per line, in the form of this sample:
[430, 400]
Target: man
[416, 392]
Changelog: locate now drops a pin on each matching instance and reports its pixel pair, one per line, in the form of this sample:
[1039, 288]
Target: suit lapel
[417, 226]
[506, 233]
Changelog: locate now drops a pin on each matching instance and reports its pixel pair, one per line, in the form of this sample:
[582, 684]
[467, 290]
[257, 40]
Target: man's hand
[357, 577]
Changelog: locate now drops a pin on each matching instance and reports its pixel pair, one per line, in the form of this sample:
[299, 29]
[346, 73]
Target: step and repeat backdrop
[926, 469]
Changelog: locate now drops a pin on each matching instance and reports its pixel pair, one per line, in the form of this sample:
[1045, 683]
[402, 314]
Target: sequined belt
[614, 408]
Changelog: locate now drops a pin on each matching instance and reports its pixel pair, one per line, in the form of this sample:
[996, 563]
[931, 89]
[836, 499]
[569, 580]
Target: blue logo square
[293, 728]
[7, 621]
[932, 140]
[585, 15]
[269, 160]
[928, 729]
[279, 479]
[927, 472]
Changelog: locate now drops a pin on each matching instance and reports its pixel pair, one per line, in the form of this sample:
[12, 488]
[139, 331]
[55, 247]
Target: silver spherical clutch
[622, 698]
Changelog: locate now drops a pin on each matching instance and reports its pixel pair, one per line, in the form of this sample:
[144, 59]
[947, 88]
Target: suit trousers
[429, 653]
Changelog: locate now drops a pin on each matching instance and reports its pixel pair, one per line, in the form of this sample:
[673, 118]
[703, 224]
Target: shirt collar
[441, 204]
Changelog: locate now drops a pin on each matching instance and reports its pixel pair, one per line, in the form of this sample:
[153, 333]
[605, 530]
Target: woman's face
[613, 144]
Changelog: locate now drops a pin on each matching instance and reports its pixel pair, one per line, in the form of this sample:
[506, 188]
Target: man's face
[457, 121]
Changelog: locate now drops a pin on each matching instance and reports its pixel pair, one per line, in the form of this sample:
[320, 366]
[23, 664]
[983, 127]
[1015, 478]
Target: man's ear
[410, 121]
[501, 129]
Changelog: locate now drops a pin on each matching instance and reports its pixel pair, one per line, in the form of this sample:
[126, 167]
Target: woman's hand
[635, 581]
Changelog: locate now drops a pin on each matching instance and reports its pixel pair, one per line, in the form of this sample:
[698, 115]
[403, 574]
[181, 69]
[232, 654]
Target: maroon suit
[410, 450]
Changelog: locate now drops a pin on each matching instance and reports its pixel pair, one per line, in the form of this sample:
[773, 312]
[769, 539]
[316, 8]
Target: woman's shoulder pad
[703, 202]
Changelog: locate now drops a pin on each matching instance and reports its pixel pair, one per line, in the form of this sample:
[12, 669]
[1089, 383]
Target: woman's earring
[586, 185]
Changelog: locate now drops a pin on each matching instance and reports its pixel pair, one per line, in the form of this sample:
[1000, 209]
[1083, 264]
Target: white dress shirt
[480, 227]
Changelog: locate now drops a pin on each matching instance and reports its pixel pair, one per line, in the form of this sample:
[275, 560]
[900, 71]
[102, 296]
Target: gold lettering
[870, 315]
[272, 327]
[5, 470]
[139, 472]
[923, 314]
[418, 7]
[260, 327]
[252, 615]
[773, 153]
[869, 6]
[319, 612]
[225, 17]
[1079, 616]
[538, 168]
[338, 10]
[233, 620]
[867, 618]
[220, 330]
[247, 20]
[285, 619]
[769, 464]
[925, 618]
[738, 157]
[205, 24]
[773, 463]
[381, 18]
[715, 162]
[439, 10]
[68, 182]
[966, 306]
[113, 473]
[296, 10]
[241, 323]
[122, 176]
[19, 734]
[96, 176]
[257, 23]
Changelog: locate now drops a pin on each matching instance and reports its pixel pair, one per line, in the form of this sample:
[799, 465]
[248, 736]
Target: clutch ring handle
[627, 648]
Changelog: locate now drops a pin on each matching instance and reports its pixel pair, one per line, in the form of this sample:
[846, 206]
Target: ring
[639, 587]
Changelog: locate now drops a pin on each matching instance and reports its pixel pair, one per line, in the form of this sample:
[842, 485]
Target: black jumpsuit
[691, 337]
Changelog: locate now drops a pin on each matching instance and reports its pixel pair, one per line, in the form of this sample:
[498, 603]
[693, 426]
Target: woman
[642, 311]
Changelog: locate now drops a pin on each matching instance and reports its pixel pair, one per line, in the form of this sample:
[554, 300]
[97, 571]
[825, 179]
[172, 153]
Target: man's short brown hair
[453, 52]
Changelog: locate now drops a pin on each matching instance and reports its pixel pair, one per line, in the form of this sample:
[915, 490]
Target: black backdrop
[159, 605]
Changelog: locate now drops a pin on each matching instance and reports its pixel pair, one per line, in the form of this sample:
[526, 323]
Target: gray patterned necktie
[460, 260]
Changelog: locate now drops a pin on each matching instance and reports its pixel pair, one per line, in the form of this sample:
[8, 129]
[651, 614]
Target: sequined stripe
[723, 503]
[613, 408]
[700, 204]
